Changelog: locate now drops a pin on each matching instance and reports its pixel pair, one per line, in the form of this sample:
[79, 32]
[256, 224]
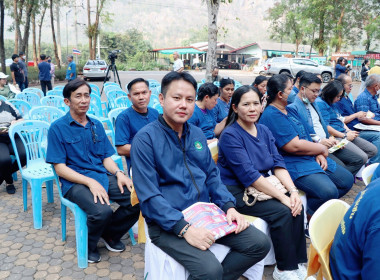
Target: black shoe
[94, 257]
[114, 246]
[11, 189]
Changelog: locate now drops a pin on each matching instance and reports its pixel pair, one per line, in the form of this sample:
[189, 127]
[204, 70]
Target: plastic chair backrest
[322, 229]
[45, 113]
[22, 106]
[213, 146]
[32, 133]
[122, 102]
[368, 172]
[216, 83]
[107, 84]
[32, 98]
[59, 88]
[111, 88]
[96, 105]
[156, 90]
[112, 95]
[153, 83]
[95, 89]
[153, 100]
[158, 107]
[112, 115]
[54, 101]
[3, 98]
[34, 90]
[56, 92]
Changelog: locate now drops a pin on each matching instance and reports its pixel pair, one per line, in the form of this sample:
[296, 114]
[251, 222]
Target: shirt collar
[71, 120]
[165, 124]
[370, 95]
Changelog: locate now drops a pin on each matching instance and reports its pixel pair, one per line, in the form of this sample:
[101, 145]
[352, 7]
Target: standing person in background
[17, 74]
[52, 70]
[71, 72]
[178, 63]
[215, 74]
[364, 74]
[341, 67]
[44, 74]
[24, 68]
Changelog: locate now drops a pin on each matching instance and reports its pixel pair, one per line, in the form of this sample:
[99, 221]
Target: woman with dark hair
[332, 93]
[341, 67]
[203, 115]
[247, 153]
[364, 74]
[226, 90]
[307, 162]
[261, 84]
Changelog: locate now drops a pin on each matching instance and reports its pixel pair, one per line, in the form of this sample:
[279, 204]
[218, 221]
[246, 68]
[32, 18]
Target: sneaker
[11, 189]
[94, 257]
[114, 246]
[301, 272]
[284, 275]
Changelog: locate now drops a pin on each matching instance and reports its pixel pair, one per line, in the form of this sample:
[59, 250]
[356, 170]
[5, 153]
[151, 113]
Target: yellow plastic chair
[322, 228]
[368, 172]
[214, 150]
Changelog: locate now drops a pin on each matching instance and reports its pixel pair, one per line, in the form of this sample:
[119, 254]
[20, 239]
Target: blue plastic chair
[217, 83]
[153, 100]
[46, 113]
[95, 89]
[153, 83]
[55, 101]
[96, 106]
[32, 98]
[59, 88]
[22, 106]
[158, 107]
[107, 84]
[156, 90]
[112, 95]
[237, 85]
[34, 90]
[203, 81]
[123, 102]
[57, 92]
[3, 98]
[37, 171]
[112, 115]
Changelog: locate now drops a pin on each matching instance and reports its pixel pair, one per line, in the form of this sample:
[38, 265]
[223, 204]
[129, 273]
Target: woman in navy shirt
[203, 115]
[247, 153]
[307, 162]
[226, 90]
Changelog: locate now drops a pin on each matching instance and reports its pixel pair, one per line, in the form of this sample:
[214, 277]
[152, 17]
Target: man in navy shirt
[355, 251]
[173, 169]
[17, 73]
[44, 75]
[131, 120]
[81, 153]
[367, 100]
[71, 72]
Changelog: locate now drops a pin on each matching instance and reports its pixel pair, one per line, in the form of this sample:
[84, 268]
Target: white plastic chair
[368, 172]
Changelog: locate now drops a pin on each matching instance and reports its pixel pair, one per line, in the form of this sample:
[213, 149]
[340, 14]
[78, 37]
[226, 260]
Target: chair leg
[63, 221]
[25, 193]
[49, 191]
[14, 176]
[132, 237]
[36, 186]
[81, 236]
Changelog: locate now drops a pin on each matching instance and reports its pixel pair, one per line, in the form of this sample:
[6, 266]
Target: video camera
[112, 55]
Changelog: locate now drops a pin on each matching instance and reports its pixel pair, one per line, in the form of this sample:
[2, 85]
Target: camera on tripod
[112, 55]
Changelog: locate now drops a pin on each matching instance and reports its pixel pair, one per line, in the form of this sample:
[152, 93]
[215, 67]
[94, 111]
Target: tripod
[114, 71]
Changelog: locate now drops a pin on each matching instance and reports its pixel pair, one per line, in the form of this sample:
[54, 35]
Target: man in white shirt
[178, 63]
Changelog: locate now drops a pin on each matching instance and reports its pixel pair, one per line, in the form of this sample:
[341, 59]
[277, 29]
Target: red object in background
[31, 63]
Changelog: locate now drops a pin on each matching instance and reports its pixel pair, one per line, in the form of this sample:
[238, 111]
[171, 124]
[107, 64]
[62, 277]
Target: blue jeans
[374, 138]
[320, 187]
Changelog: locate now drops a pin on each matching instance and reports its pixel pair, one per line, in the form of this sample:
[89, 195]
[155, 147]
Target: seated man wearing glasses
[351, 118]
[81, 153]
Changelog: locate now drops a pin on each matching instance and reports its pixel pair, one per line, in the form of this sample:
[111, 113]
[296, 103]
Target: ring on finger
[209, 242]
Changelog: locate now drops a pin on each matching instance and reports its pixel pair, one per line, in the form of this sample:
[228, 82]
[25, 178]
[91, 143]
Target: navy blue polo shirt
[346, 108]
[81, 148]
[205, 120]
[44, 74]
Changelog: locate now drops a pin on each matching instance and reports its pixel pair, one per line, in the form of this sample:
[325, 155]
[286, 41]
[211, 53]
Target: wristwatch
[119, 171]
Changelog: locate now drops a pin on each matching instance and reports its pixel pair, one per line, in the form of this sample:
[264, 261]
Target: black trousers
[247, 248]
[6, 165]
[101, 220]
[287, 232]
[45, 84]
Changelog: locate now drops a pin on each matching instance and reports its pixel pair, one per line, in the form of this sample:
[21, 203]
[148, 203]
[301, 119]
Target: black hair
[14, 56]
[259, 80]
[43, 56]
[207, 89]
[299, 75]
[309, 78]
[276, 84]
[365, 62]
[225, 82]
[135, 81]
[175, 76]
[72, 86]
[21, 53]
[215, 67]
[340, 59]
[235, 99]
[331, 90]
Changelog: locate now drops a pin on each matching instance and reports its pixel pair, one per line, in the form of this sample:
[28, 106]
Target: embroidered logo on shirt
[198, 145]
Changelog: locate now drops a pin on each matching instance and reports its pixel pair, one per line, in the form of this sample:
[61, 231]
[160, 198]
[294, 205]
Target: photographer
[341, 67]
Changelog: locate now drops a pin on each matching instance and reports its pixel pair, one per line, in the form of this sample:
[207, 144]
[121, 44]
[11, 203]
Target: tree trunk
[25, 40]
[17, 24]
[213, 9]
[53, 33]
[321, 38]
[340, 30]
[39, 31]
[57, 17]
[2, 49]
[34, 43]
[90, 27]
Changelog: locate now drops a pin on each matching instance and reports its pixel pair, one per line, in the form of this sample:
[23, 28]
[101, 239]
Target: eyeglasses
[349, 85]
[315, 91]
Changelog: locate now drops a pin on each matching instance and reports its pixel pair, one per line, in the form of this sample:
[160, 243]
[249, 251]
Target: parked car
[292, 66]
[95, 69]
[223, 63]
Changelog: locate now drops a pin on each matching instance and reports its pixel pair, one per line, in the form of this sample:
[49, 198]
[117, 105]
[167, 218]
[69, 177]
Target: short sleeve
[194, 118]
[56, 152]
[324, 110]
[122, 130]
